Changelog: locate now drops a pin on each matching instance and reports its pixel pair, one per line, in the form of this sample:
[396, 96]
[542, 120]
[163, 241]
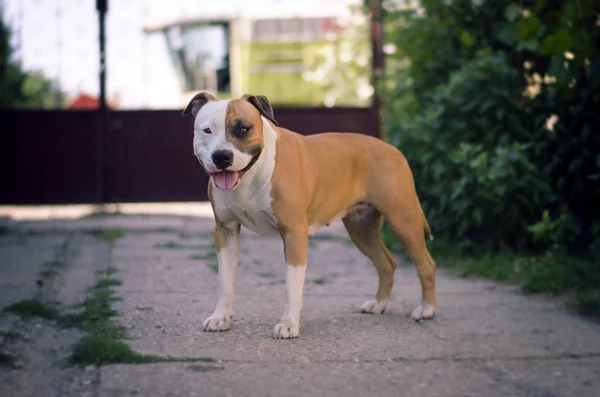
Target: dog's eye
[242, 132]
[207, 131]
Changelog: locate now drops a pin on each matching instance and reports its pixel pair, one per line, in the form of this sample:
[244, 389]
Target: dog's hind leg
[410, 231]
[364, 228]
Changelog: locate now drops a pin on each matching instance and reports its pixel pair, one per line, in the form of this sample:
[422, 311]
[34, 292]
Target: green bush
[468, 96]
[495, 106]
[471, 164]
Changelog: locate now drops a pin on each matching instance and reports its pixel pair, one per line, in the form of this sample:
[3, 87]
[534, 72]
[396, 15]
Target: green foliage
[469, 94]
[34, 308]
[214, 267]
[550, 273]
[495, 105]
[98, 351]
[104, 345]
[20, 89]
[112, 235]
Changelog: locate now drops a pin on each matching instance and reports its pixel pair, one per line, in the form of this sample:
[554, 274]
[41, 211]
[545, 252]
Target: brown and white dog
[275, 181]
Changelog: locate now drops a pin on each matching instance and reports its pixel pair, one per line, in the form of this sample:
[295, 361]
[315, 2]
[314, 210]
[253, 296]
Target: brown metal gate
[59, 157]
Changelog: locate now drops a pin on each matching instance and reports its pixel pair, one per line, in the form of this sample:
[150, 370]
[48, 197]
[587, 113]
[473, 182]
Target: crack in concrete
[408, 360]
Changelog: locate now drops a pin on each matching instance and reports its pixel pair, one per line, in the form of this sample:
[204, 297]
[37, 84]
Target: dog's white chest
[250, 207]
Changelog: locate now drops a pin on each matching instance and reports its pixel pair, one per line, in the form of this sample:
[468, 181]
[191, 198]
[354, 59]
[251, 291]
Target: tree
[21, 89]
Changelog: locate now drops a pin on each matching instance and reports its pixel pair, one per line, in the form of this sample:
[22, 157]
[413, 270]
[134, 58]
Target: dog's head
[228, 135]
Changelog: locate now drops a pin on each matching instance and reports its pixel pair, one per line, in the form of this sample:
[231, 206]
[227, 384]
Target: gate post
[377, 64]
[102, 8]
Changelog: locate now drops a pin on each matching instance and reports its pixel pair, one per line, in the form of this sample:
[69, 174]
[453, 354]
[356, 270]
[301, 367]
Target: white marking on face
[250, 202]
[212, 116]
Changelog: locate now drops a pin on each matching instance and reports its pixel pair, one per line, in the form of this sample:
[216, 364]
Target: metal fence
[317, 75]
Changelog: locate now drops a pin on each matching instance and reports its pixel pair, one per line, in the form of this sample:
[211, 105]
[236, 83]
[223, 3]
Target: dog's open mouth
[226, 180]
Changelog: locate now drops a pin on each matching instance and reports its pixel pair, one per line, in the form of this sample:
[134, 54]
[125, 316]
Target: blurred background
[496, 105]
[161, 52]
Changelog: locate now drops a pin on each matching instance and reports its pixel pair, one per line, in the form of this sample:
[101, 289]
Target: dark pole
[102, 8]
[377, 62]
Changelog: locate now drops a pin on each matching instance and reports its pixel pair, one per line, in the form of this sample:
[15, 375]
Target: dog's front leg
[227, 243]
[295, 246]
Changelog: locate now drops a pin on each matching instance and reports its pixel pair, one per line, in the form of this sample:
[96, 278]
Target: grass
[214, 267]
[109, 271]
[49, 273]
[98, 350]
[210, 255]
[320, 281]
[170, 245]
[34, 308]
[111, 235]
[550, 273]
[267, 275]
[7, 361]
[103, 343]
[10, 335]
[106, 282]
[175, 245]
[498, 266]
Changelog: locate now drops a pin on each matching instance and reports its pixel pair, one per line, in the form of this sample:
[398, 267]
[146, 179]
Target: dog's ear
[261, 103]
[197, 102]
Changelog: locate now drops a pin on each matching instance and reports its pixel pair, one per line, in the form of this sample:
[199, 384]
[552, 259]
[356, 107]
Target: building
[291, 60]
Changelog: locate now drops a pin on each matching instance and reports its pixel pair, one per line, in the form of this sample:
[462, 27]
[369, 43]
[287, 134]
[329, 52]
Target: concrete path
[487, 338]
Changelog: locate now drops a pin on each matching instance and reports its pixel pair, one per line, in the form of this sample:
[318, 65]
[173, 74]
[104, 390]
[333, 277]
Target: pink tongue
[225, 179]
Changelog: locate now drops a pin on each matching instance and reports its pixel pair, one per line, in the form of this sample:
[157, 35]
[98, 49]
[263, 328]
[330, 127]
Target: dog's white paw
[217, 322]
[286, 330]
[374, 307]
[423, 312]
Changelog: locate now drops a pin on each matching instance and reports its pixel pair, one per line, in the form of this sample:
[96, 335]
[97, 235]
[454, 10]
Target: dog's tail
[425, 223]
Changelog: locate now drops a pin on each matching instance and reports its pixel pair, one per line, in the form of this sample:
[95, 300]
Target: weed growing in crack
[103, 344]
[109, 271]
[320, 281]
[170, 245]
[9, 335]
[175, 245]
[210, 255]
[7, 361]
[34, 308]
[49, 273]
[107, 282]
[111, 235]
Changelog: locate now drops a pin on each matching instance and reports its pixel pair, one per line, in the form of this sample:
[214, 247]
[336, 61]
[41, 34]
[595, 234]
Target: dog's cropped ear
[197, 102]
[261, 103]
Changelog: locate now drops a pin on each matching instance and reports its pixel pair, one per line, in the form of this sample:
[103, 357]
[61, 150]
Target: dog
[276, 182]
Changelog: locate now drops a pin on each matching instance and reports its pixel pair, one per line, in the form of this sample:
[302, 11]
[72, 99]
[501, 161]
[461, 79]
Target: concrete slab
[487, 339]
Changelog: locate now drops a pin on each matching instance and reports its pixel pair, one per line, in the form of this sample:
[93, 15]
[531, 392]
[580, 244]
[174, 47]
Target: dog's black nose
[222, 158]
